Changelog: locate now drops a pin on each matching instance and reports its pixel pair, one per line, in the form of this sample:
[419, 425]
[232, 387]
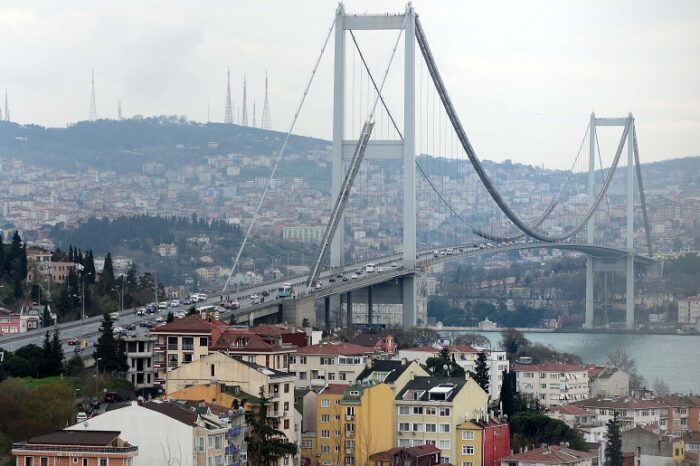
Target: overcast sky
[523, 75]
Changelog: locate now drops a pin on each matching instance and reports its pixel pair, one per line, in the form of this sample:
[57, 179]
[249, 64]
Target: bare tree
[660, 387]
[620, 359]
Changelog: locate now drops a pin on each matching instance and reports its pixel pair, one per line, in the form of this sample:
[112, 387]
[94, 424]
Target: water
[673, 358]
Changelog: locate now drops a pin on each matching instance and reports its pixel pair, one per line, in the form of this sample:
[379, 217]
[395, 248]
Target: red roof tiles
[551, 454]
[334, 349]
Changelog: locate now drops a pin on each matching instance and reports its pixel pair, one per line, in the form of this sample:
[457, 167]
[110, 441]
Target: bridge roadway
[388, 268]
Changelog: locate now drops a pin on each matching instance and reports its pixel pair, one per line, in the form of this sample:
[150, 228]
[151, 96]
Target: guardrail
[24, 446]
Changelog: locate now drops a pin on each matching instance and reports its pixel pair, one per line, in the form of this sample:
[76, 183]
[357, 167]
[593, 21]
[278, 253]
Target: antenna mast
[228, 114]
[244, 112]
[93, 107]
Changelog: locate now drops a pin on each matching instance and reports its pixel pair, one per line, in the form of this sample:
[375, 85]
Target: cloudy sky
[524, 76]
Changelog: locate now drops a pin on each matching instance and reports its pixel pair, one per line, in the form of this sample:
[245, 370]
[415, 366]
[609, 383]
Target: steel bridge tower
[626, 265]
[377, 149]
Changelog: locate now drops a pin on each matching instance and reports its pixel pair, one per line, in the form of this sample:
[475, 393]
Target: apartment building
[630, 411]
[352, 423]
[70, 448]
[219, 368]
[139, 358]
[681, 414]
[183, 341]
[552, 383]
[428, 410]
[165, 432]
[382, 342]
[331, 362]
[551, 455]
[689, 310]
[466, 356]
[392, 372]
[482, 442]
[608, 381]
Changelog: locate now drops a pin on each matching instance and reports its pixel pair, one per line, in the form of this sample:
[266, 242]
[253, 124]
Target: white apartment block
[552, 383]
[689, 310]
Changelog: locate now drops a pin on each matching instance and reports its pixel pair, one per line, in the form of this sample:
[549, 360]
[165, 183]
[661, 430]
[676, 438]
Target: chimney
[404, 361]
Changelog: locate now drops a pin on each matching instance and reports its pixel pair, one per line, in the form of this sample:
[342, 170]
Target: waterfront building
[608, 381]
[631, 411]
[552, 383]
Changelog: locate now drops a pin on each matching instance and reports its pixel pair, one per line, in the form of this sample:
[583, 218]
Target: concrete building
[392, 372]
[651, 448]
[165, 432]
[246, 345]
[681, 413]
[552, 455]
[139, 358]
[608, 381]
[482, 442]
[218, 368]
[70, 448]
[428, 410]
[381, 342]
[552, 383]
[631, 411]
[332, 362]
[466, 356]
[689, 310]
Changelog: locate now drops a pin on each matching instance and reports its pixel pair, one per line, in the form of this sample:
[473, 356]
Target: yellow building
[429, 409]
[482, 442]
[352, 423]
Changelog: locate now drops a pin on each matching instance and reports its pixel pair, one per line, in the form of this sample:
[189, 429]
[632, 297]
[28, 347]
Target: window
[418, 427]
[200, 443]
[212, 370]
[444, 411]
[404, 426]
[28, 461]
[302, 359]
[325, 434]
[431, 411]
[286, 388]
[286, 423]
[306, 443]
[467, 463]
[444, 428]
[331, 376]
[44, 461]
[417, 410]
[325, 449]
[103, 462]
[467, 449]
[302, 375]
[325, 403]
[404, 411]
[342, 376]
[444, 445]
[327, 361]
[86, 462]
[431, 427]
[325, 418]
[404, 442]
[467, 435]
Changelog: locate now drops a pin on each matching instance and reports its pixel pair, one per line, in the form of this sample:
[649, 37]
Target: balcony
[159, 364]
[172, 346]
[231, 449]
[187, 347]
[159, 347]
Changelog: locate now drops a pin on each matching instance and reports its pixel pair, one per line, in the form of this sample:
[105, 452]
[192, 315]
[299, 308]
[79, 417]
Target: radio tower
[119, 111]
[244, 112]
[228, 114]
[93, 107]
[7, 108]
[266, 123]
[253, 113]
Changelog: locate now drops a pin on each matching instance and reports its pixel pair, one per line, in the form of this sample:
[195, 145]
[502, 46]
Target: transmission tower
[244, 112]
[7, 108]
[228, 114]
[119, 111]
[253, 113]
[93, 107]
[266, 119]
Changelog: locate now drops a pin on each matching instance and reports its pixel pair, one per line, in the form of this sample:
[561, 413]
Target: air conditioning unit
[348, 417]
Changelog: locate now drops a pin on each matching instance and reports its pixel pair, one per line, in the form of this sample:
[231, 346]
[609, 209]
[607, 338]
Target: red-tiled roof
[334, 349]
[273, 330]
[195, 323]
[550, 454]
[334, 389]
[549, 367]
[571, 410]
[618, 402]
[418, 451]
[173, 411]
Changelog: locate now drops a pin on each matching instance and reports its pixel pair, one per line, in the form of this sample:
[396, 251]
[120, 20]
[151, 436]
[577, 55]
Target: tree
[444, 365]
[481, 372]
[108, 274]
[472, 339]
[46, 320]
[170, 317]
[57, 355]
[532, 428]
[266, 443]
[109, 349]
[46, 358]
[512, 341]
[2, 257]
[510, 398]
[660, 387]
[305, 323]
[620, 359]
[613, 449]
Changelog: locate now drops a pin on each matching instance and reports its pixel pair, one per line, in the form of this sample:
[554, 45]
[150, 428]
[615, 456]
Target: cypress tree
[70, 253]
[46, 357]
[57, 355]
[46, 317]
[481, 372]
[106, 345]
[613, 450]
[108, 274]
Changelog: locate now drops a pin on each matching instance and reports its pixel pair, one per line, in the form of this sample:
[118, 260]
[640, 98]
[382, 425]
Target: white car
[174, 303]
[81, 417]
[254, 299]
[162, 305]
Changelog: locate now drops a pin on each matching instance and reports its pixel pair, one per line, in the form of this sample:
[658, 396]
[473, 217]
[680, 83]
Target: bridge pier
[408, 292]
[589, 291]
[369, 304]
[348, 310]
[327, 313]
[294, 311]
[629, 294]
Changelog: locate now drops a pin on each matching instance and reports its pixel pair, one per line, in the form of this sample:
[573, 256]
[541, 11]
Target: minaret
[253, 113]
[228, 114]
[244, 112]
[7, 108]
[93, 107]
[266, 119]
[119, 111]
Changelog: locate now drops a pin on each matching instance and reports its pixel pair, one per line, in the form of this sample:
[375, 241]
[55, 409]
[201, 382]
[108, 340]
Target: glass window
[325, 403]
[444, 428]
[431, 427]
[444, 445]
[404, 411]
[44, 461]
[467, 435]
[28, 461]
[444, 411]
[467, 449]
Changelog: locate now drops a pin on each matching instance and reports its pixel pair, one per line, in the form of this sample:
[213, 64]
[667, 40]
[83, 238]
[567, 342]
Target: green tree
[108, 274]
[472, 339]
[57, 355]
[46, 320]
[613, 449]
[531, 428]
[509, 397]
[512, 341]
[109, 349]
[266, 443]
[444, 365]
[170, 317]
[305, 323]
[46, 357]
[481, 372]
[74, 365]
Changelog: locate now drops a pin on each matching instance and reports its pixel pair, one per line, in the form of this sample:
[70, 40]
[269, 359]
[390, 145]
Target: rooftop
[195, 323]
[393, 367]
[417, 452]
[335, 349]
[94, 438]
[550, 454]
[431, 389]
[549, 367]
[620, 402]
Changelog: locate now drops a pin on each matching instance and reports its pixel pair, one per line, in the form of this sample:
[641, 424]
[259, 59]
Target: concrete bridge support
[622, 265]
[294, 311]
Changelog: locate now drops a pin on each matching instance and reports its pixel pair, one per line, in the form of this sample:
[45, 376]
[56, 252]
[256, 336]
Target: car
[265, 293]
[180, 314]
[141, 311]
[318, 286]
[113, 397]
[174, 303]
[81, 417]
[340, 275]
[158, 320]
[187, 302]
[78, 349]
[331, 279]
[345, 279]
[394, 265]
[354, 276]
[130, 327]
[254, 299]
[72, 341]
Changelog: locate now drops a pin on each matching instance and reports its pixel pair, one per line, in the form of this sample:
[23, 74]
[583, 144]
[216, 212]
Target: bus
[285, 291]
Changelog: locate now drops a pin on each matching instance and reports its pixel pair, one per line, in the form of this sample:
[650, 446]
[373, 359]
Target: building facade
[482, 442]
[552, 383]
[689, 310]
[139, 358]
[336, 363]
[551, 455]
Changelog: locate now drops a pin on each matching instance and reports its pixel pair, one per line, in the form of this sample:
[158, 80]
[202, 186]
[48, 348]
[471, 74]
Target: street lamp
[81, 270]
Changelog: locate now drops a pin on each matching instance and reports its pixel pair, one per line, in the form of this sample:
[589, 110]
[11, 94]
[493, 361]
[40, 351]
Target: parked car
[72, 341]
[174, 303]
[81, 417]
[113, 397]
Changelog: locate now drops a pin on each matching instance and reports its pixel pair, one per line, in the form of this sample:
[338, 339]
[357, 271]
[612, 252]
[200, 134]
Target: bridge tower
[377, 149]
[621, 265]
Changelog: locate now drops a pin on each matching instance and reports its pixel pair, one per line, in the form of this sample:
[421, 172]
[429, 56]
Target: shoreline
[563, 331]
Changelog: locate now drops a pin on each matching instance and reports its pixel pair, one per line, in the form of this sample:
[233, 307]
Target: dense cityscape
[223, 293]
